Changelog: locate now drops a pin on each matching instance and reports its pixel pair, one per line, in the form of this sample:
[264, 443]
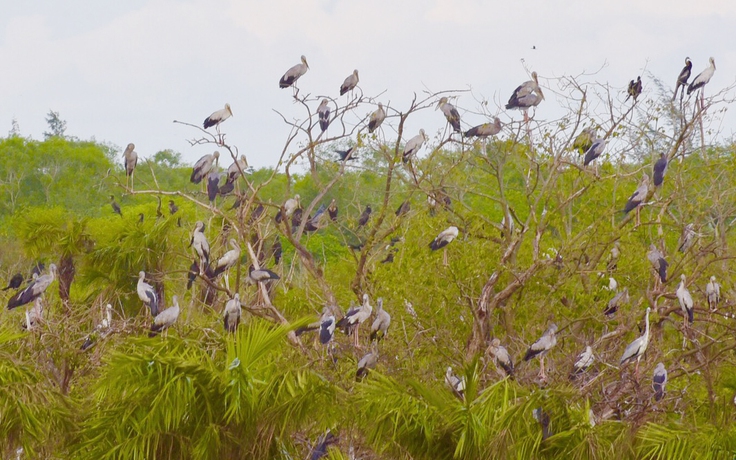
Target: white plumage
[201, 247]
[501, 357]
[323, 111]
[165, 319]
[413, 146]
[147, 294]
[583, 362]
[444, 238]
[713, 292]
[380, 325]
[456, 384]
[34, 290]
[636, 349]
[203, 166]
[541, 347]
[218, 117]
[450, 112]
[686, 300]
[659, 380]
[350, 82]
[229, 259]
[293, 74]
[232, 313]
[703, 77]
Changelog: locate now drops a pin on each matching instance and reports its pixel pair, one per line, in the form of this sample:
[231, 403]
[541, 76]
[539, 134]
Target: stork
[350, 82]
[583, 362]
[636, 201]
[703, 78]
[485, 130]
[584, 141]
[379, 328]
[687, 238]
[101, 330]
[413, 145]
[636, 349]
[232, 313]
[501, 357]
[526, 95]
[541, 347]
[456, 384]
[218, 117]
[713, 293]
[130, 160]
[261, 275]
[615, 303]
[115, 206]
[203, 166]
[228, 260]
[683, 78]
[376, 118]
[659, 264]
[33, 290]
[660, 168]
[323, 112]
[595, 150]
[659, 380]
[450, 112]
[293, 74]
[686, 301]
[164, 320]
[354, 318]
[200, 245]
[367, 362]
[147, 294]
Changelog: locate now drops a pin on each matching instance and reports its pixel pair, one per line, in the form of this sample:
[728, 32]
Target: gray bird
[456, 384]
[659, 380]
[203, 166]
[501, 357]
[218, 117]
[232, 313]
[614, 304]
[541, 347]
[377, 118]
[200, 245]
[380, 325]
[583, 362]
[687, 238]
[228, 260]
[115, 206]
[293, 74]
[685, 300]
[413, 145]
[147, 294]
[367, 362]
[713, 293]
[635, 350]
[658, 262]
[595, 150]
[350, 323]
[450, 112]
[350, 82]
[323, 112]
[130, 160]
[526, 95]
[485, 130]
[165, 319]
[33, 290]
[636, 200]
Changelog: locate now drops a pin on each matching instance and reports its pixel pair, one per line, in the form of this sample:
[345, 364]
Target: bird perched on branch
[583, 362]
[147, 294]
[659, 264]
[130, 160]
[686, 301]
[683, 78]
[541, 347]
[203, 166]
[350, 82]
[703, 77]
[635, 350]
[115, 206]
[450, 112]
[584, 141]
[595, 150]
[350, 323]
[485, 130]
[347, 155]
[634, 89]
[201, 247]
[232, 313]
[165, 319]
[636, 200]
[687, 238]
[218, 117]
[367, 362]
[456, 384]
[615, 303]
[660, 168]
[228, 260]
[14, 282]
[377, 118]
[713, 293]
[365, 216]
[501, 357]
[526, 95]
[380, 325]
[236, 169]
[101, 330]
[323, 111]
[293, 74]
[261, 275]
[444, 238]
[33, 290]
[659, 380]
[413, 145]
[613, 256]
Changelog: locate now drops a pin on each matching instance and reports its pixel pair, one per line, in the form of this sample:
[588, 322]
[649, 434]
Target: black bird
[660, 168]
[115, 206]
[635, 88]
[15, 282]
[141, 216]
[404, 208]
[226, 188]
[172, 207]
[276, 248]
[159, 214]
[38, 269]
[192, 275]
[332, 210]
[323, 443]
[296, 219]
[365, 216]
[347, 155]
[683, 78]
[213, 186]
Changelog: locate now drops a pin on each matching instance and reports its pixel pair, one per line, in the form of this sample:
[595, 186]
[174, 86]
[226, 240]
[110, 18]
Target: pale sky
[122, 71]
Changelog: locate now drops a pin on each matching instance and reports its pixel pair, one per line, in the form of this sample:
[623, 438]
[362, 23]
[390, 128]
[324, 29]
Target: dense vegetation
[199, 392]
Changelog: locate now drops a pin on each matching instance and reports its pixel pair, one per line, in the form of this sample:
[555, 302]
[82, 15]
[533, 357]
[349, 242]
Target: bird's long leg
[636, 370]
[444, 257]
[356, 341]
[542, 375]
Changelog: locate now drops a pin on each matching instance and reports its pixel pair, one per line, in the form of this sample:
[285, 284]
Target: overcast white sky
[122, 71]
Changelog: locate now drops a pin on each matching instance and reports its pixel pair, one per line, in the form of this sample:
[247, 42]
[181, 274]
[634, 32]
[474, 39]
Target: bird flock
[526, 96]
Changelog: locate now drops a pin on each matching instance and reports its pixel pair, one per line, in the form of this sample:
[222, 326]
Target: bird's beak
[438, 106]
[541, 94]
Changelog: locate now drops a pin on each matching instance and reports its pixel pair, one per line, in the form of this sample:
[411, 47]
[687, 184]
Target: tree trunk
[66, 277]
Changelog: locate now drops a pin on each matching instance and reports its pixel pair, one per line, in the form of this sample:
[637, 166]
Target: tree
[57, 126]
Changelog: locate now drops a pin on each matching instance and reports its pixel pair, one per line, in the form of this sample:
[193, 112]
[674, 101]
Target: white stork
[323, 111]
[413, 146]
[147, 294]
[703, 77]
[713, 292]
[203, 166]
[201, 247]
[659, 264]
[380, 325]
[228, 260]
[377, 118]
[583, 362]
[501, 357]
[450, 112]
[293, 74]
[218, 117]
[33, 290]
[541, 347]
[165, 319]
[444, 238]
[636, 201]
[686, 301]
[456, 384]
[366, 363]
[232, 313]
[595, 150]
[130, 158]
[659, 380]
[354, 318]
[636, 349]
[350, 82]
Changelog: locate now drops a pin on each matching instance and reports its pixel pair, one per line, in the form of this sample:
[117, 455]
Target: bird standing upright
[703, 77]
[660, 168]
[583, 362]
[413, 146]
[541, 347]
[365, 216]
[130, 159]
[203, 166]
[683, 78]
[377, 118]
[634, 89]
[713, 293]
[686, 301]
[115, 206]
[147, 294]
[595, 150]
[232, 313]
[350, 82]
[659, 263]
[659, 380]
[34, 290]
[501, 357]
[218, 117]
[635, 350]
[323, 112]
[201, 246]
[293, 74]
[380, 325]
[526, 95]
[450, 112]
[636, 200]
